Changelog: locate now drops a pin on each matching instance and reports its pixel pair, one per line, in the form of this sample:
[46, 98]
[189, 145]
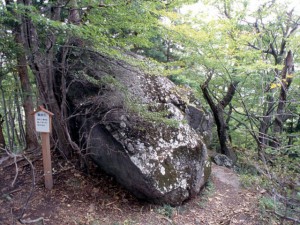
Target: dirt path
[226, 203]
[98, 199]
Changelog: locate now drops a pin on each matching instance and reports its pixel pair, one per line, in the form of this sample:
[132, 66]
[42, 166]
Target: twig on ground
[167, 219]
[32, 221]
[36, 156]
[14, 156]
[108, 204]
[14, 191]
[17, 170]
[115, 207]
[31, 190]
[63, 170]
[284, 217]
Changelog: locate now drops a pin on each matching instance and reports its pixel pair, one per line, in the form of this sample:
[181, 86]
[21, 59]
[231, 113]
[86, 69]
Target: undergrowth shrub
[166, 210]
[279, 177]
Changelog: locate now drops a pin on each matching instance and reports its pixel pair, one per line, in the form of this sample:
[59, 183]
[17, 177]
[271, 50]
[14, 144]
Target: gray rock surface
[226, 176]
[223, 160]
[141, 129]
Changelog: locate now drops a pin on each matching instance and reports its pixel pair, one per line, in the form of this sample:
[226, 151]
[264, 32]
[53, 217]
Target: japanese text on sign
[42, 122]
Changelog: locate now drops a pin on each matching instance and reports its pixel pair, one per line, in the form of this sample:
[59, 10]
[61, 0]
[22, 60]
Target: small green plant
[266, 206]
[166, 210]
[248, 180]
[210, 188]
[267, 203]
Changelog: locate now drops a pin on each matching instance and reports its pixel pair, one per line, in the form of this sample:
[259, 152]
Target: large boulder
[140, 128]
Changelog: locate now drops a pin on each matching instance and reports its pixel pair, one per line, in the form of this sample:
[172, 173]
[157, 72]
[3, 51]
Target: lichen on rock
[141, 130]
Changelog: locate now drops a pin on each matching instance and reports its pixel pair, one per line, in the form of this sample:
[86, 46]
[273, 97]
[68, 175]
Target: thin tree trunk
[286, 80]
[218, 113]
[10, 142]
[30, 134]
[265, 123]
[11, 120]
[273, 140]
[2, 139]
[21, 130]
[74, 16]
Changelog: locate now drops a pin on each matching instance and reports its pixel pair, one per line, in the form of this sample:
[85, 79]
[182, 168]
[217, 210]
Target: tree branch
[229, 95]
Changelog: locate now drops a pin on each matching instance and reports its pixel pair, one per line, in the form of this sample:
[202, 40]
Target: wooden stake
[47, 160]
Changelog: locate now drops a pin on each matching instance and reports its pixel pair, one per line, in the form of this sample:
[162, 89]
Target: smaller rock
[223, 160]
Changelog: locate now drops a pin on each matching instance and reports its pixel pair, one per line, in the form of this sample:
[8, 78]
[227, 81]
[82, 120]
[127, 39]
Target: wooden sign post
[43, 124]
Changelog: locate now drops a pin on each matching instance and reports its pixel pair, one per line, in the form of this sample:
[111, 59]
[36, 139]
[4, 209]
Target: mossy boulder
[140, 128]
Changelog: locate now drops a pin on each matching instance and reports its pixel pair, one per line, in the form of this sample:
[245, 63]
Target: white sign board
[42, 122]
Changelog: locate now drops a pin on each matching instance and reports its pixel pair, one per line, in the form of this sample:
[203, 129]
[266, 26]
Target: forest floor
[95, 199]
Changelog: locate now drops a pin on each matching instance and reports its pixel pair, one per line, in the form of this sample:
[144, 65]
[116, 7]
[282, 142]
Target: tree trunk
[265, 123]
[74, 16]
[9, 139]
[18, 105]
[30, 134]
[47, 70]
[218, 113]
[2, 139]
[281, 116]
[273, 139]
